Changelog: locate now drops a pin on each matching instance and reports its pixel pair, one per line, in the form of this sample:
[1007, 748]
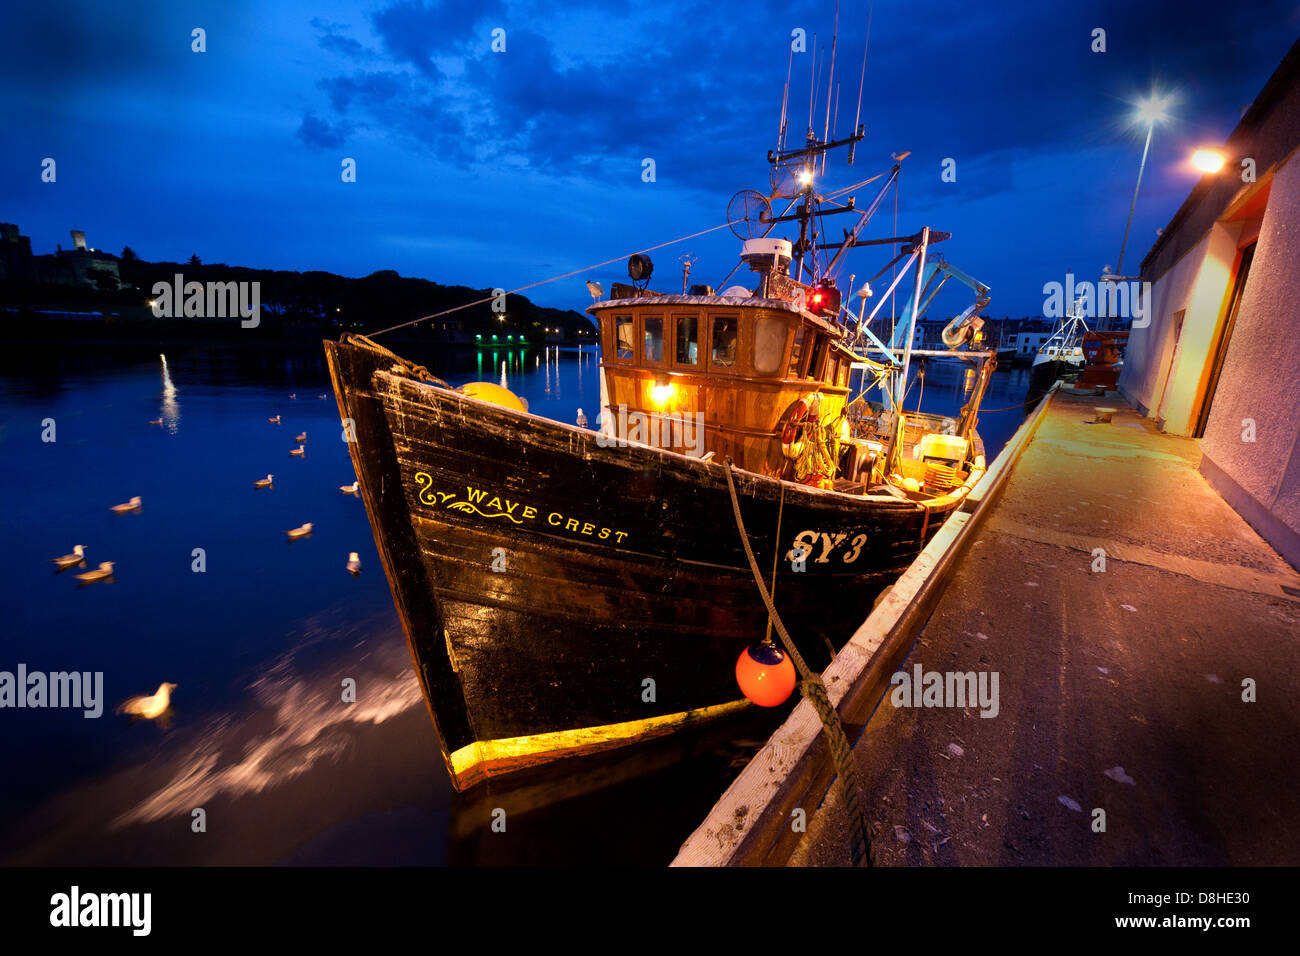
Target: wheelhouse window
[687, 340]
[624, 340]
[821, 346]
[724, 341]
[769, 345]
[796, 353]
[653, 338]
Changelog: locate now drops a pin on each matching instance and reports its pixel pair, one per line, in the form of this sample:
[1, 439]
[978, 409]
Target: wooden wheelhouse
[735, 367]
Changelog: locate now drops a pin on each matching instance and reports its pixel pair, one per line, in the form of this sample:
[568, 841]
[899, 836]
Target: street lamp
[1208, 160]
[1150, 110]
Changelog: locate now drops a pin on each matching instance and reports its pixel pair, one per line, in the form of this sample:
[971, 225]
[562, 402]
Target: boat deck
[1118, 689]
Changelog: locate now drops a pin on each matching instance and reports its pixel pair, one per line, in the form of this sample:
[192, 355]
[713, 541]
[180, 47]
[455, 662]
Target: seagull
[102, 573]
[149, 706]
[275, 420]
[264, 482]
[132, 505]
[299, 532]
[155, 421]
[354, 564]
[321, 397]
[293, 396]
[582, 419]
[349, 489]
[302, 437]
[78, 556]
[297, 451]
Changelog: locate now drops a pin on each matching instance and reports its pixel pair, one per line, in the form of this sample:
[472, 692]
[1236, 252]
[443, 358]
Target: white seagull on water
[299, 532]
[354, 564]
[297, 451]
[132, 505]
[102, 573]
[349, 489]
[78, 556]
[149, 706]
[264, 482]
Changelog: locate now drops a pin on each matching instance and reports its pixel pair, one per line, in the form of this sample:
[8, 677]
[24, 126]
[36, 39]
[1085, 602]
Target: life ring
[796, 420]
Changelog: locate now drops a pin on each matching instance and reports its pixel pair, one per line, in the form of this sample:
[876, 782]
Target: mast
[901, 382]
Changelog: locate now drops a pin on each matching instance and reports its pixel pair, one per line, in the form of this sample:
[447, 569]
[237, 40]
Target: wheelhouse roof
[725, 301]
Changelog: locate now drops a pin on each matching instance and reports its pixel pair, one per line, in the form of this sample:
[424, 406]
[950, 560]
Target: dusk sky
[500, 169]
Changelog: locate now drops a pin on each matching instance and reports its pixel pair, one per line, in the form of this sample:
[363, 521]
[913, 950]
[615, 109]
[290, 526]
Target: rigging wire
[597, 265]
[533, 285]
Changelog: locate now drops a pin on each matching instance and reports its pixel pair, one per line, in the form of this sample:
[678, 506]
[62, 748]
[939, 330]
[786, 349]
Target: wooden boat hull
[560, 597]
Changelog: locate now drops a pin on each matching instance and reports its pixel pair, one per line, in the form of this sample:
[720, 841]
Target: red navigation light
[824, 300]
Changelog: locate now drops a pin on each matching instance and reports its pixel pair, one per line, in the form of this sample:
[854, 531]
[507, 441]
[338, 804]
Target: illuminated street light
[1208, 160]
[1150, 110]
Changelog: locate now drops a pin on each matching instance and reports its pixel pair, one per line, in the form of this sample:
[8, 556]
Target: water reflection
[262, 740]
[170, 411]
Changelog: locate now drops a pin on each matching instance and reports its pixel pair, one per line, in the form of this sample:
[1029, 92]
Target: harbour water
[262, 634]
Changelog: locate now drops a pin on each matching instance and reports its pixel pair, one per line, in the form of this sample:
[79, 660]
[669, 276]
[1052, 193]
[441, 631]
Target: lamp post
[1150, 111]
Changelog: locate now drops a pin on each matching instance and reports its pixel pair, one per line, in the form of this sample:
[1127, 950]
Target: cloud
[415, 32]
[333, 39]
[319, 133]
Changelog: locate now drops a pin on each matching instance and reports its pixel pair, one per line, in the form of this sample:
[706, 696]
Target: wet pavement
[1124, 732]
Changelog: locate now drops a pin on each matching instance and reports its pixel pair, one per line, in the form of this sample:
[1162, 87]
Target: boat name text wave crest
[516, 511]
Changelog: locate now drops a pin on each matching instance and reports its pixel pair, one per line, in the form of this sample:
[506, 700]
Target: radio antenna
[862, 79]
[830, 82]
[812, 84]
[785, 103]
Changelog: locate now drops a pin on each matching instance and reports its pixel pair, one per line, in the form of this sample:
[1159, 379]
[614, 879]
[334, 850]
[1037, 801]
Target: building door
[1176, 333]
[1225, 338]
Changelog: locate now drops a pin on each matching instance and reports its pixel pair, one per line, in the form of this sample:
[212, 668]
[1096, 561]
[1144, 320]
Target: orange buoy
[488, 392]
[765, 674]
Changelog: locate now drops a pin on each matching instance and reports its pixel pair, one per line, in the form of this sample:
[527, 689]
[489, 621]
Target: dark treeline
[302, 304]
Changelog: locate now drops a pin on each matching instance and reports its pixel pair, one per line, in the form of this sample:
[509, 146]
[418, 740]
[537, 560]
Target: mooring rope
[416, 371]
[813, 689]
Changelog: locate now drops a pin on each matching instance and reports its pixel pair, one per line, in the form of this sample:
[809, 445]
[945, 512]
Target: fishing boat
[1061, 356]
[567, 590]
[1066, 343]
